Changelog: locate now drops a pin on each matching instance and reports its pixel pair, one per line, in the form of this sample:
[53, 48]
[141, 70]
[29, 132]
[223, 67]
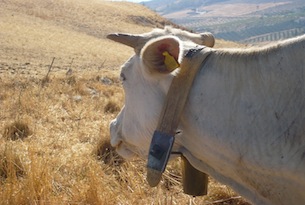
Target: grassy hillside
[59, 91]
[36, 31]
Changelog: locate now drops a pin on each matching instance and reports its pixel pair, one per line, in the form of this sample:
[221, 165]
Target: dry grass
[54, 135]
[67, 158]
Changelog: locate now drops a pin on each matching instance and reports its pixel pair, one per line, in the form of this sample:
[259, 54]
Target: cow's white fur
[243, 124]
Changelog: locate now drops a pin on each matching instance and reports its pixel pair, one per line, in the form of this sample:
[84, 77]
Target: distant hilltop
[237, 20]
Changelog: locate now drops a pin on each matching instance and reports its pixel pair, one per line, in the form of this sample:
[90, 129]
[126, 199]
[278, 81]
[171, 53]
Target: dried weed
[111, 107]
[106, 153]
[11, 166]
[16, 130]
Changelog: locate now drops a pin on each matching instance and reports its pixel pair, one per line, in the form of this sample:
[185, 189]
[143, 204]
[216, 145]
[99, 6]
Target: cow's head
[146, 80]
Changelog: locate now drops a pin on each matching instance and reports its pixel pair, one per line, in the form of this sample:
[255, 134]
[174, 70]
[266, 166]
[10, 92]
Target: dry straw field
[59, 89]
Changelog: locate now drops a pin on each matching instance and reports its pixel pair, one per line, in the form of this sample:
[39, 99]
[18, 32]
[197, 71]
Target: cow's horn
[207, 39]
[126, 39]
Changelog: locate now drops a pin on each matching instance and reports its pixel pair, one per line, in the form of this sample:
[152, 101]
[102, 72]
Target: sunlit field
[59, 89]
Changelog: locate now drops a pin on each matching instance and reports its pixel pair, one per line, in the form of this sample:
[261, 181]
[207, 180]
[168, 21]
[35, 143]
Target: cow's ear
[161, 55]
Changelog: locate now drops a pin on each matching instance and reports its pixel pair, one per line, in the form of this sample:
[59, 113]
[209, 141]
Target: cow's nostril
[114, 136]
[119, 144]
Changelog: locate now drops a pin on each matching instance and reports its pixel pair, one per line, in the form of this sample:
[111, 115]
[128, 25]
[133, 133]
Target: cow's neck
[245, 117]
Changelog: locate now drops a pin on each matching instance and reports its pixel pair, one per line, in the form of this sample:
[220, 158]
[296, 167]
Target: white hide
[243, 124]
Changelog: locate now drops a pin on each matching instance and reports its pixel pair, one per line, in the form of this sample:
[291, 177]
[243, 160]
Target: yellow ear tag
[170, 61]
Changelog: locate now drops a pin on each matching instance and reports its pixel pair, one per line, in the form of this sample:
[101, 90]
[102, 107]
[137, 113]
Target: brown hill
[35, 31]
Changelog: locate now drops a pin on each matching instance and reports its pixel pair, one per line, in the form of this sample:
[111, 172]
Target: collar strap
[163, 138]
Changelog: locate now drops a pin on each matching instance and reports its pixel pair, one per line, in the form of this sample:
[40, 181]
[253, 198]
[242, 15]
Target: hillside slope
[35, 31]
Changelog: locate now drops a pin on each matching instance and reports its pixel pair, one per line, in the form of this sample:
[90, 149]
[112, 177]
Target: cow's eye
[122, 77]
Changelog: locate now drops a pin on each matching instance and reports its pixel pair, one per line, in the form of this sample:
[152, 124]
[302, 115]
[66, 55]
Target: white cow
[243, 123]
